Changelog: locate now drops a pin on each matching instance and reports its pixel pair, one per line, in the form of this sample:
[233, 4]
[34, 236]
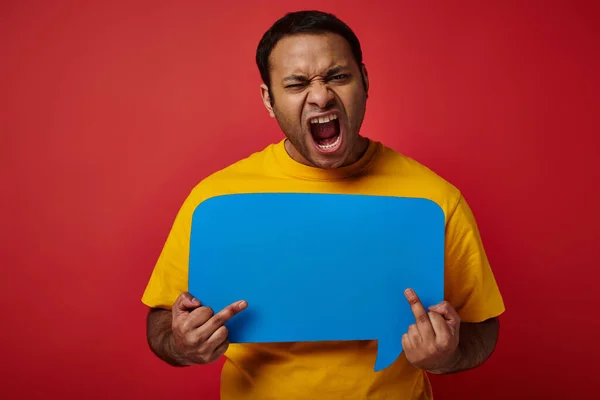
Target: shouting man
[316, 85]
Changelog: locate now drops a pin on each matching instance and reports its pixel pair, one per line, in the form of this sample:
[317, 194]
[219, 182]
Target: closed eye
[340, 78]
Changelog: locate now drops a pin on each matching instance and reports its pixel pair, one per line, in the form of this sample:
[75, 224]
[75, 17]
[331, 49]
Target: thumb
[184, 303]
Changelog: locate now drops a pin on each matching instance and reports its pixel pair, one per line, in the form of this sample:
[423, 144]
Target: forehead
[309, 54]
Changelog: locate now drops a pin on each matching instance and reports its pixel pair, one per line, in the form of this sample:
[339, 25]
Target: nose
[320, 95]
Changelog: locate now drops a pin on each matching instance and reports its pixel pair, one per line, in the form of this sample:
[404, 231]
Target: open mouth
[326, 133]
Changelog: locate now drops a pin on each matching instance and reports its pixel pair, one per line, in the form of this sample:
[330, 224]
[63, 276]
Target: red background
[111, 111]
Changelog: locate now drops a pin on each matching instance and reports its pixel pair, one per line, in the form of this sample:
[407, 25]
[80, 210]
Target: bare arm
[476, 344]
[159, 333]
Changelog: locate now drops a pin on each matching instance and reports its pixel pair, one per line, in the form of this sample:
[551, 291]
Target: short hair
[308, 21]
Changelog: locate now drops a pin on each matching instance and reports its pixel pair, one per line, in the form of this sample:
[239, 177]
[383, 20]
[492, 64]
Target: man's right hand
[200, 335]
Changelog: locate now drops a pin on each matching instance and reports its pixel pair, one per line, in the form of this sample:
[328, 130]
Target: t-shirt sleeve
[470, 285]
[170, 275]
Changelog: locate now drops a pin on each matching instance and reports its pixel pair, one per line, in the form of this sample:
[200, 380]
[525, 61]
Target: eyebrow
[330, 72]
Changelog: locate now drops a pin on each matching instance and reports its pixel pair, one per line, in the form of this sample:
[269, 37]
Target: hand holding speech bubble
[318, 267]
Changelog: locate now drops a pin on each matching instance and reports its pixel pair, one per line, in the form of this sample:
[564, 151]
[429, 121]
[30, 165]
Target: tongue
[328, 130]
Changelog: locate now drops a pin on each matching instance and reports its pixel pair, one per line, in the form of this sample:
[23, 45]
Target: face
[319, 99]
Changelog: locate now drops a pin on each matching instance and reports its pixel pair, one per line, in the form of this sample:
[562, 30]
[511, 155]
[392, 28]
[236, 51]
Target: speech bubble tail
[388, 351]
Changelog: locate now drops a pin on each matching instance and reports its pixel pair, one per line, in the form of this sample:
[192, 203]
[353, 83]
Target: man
[315, 85]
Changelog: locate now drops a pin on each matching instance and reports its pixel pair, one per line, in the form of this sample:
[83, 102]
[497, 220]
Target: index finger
[421, 316]
[220, 318]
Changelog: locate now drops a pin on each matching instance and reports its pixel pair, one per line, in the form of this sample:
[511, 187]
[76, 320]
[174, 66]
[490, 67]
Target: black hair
[308, 21]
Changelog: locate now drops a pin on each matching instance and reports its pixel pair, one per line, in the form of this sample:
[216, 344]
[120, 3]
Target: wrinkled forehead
[309, 55]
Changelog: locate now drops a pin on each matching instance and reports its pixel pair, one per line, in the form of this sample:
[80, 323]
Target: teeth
[322, 120]
[329, 146]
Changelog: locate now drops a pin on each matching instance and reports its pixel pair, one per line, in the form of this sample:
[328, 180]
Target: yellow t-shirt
[344, 369]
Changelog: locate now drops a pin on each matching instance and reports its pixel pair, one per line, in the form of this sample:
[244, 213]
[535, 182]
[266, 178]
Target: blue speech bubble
[318, 267]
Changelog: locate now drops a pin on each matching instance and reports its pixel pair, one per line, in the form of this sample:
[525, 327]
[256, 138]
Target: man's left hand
[432, 343]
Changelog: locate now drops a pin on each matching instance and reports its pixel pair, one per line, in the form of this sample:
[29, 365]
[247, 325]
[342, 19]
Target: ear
[365, 75]
[266, 98]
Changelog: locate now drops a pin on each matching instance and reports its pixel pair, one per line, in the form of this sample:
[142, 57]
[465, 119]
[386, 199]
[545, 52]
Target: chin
[332, 164]
[331, 161]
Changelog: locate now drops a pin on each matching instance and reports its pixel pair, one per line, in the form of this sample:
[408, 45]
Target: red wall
[111, 112]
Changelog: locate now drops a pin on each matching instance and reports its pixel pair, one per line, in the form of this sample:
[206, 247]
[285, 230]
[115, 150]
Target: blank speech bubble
[318, 267]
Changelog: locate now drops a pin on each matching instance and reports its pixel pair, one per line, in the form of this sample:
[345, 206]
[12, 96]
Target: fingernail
[409, 292]
[242, 304]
